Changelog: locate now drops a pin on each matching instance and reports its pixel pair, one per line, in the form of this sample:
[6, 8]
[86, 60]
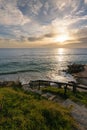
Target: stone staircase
[78, 112]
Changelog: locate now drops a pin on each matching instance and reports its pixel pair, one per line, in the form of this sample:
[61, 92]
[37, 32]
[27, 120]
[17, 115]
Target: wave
[17, 72]
[17, 64]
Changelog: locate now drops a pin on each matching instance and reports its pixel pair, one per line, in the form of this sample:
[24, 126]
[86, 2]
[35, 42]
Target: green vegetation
[80, 97]
[21, 110]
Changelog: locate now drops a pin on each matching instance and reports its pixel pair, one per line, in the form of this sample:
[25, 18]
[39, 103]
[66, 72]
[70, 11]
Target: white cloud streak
[11, 15]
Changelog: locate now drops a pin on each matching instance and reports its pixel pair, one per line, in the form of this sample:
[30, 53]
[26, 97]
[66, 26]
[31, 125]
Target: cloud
[83, 40]
[33, 39]
[80, 39]
[10, 14]
[40, 20]
[86, 1]
[82, 32]
[29, 7]
[21, 11]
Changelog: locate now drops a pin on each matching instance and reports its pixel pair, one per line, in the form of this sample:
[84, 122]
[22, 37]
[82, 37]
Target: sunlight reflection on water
[32, 64]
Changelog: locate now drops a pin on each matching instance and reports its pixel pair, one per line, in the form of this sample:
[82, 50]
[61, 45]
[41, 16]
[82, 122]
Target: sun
[61, 38]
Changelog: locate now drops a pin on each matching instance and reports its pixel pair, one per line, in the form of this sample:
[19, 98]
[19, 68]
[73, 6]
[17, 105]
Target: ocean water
[43, 63]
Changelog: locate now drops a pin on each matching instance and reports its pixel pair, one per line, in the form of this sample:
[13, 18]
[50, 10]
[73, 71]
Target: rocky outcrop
[10, 84]
[75, 68]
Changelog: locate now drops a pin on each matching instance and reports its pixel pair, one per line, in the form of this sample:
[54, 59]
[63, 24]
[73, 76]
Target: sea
[39, 63]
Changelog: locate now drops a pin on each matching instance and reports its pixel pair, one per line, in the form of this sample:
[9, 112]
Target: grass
[80, 97]
[21, 110]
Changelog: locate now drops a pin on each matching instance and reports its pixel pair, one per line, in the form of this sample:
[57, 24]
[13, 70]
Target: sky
[43, 23]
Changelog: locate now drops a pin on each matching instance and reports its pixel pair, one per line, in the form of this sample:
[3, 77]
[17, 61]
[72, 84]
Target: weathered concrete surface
[78, 112]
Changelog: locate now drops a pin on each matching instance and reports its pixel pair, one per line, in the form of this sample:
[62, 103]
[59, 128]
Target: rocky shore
[82, 76]
[79, 72]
